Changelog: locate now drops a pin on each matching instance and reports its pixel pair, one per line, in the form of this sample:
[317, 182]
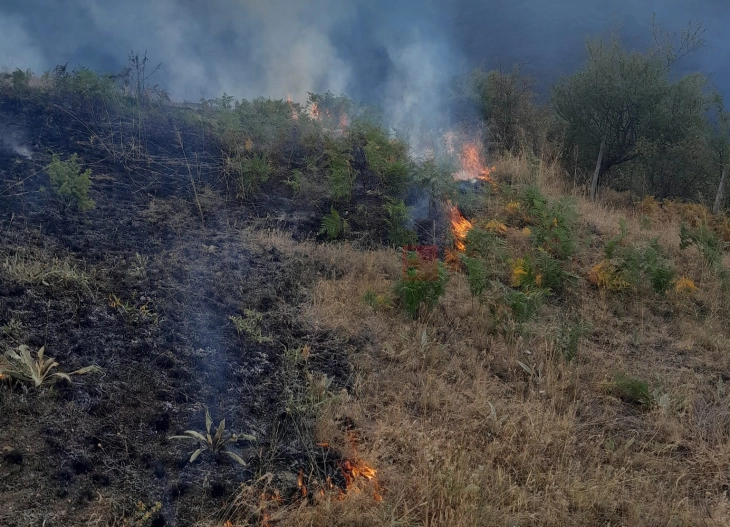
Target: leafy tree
[622, 104]
[507, 102]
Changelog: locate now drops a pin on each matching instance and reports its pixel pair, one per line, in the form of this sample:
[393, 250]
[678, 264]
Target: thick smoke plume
[397, 54]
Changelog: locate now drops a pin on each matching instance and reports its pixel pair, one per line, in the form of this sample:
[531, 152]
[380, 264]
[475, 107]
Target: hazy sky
[398, 52]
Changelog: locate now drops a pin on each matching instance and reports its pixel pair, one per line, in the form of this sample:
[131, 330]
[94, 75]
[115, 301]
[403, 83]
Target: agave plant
[22, 366]
[215, 442]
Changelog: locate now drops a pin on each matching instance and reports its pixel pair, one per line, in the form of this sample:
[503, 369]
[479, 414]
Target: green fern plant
[334, 225]
[421, 296]
[706, 240]
[396, 217]
[340, 174]
[248, 172]
[631, 390]
[69, 183]
[251, 326]
[477, 276]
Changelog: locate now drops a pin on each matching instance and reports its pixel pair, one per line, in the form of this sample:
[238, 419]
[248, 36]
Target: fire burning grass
[472, 165]
[460, 226]
[473, 168]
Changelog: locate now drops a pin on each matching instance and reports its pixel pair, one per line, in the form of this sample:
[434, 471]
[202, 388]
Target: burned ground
[143, 286]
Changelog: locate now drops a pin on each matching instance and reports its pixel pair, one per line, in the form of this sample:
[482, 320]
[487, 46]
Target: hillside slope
[572, 372]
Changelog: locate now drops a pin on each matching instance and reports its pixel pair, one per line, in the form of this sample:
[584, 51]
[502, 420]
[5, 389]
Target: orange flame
[300, 483]
[314, 111]
[290, 102]
[472, 165]
[354, 468]
[460, 226]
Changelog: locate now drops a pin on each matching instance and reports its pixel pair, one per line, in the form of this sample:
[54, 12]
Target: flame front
[472, 165]
[355, 468]
[460, 226]
[290, 102]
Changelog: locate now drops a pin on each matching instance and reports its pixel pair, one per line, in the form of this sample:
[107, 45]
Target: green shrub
[540, 272]
[486, 245]
[376, 300]
[421, 296]
[477, 276]
[334, 225]
[657, 268]
[396, 217]
[514, 305]
[340, 174]
[706, 240]
[248, 171]
[69, 183]
[631, 390]
[387, 158]
[625, 265]
[569, 338]
[552, 223]
[89, 84]
[21, 81]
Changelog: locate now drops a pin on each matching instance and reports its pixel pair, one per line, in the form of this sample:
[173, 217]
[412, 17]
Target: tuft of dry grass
[34, 266]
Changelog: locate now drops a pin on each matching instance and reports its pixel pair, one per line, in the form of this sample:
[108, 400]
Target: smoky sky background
[399, 53]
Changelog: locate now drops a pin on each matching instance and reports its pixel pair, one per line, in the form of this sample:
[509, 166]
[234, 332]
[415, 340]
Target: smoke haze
[396, 53]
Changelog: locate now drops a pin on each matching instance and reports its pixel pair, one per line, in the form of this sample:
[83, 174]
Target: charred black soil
[144, 286]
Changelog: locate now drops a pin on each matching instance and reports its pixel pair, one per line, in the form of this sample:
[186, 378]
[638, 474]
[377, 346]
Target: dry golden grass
[463, 435]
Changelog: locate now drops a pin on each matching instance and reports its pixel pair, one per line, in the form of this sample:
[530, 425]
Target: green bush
[568, 339]
[334, 225]
[706, 240]
[248, 172]
[542, 271]
[477, 276]
[388, 158]
[631, 390]
[657, 268]
[516, 306]
[629, 263]
[552, 223]
[340, 174]
[486, 245]
[21, 81]
[69, 183]
[421, 296]
[396, 217]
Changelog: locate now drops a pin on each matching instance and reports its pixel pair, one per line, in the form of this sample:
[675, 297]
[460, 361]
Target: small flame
[300, 483]
[354, 468]
[290, 102]
[472, 165]
[314, 111]
[460, 226]
[343, 120]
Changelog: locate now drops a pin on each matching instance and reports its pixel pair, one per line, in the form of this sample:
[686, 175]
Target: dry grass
[34, 266]
[463, 435]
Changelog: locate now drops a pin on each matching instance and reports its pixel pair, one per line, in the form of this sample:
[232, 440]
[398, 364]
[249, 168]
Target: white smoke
[414, 92]
[17, 49]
